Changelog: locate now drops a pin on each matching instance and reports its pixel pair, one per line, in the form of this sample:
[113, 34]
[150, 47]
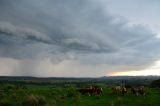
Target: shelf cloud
[69, 34]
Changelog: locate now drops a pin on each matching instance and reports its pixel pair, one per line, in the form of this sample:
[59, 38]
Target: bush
[9, 87]
[4, 102]
[34, 100]
[71, 92]
[74, 94]
[41, 100]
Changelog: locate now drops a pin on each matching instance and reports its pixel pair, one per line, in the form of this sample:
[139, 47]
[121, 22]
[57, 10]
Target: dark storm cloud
[67, 29]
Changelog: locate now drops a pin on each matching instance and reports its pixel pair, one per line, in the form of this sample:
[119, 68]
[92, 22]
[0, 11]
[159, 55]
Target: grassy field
[50, 96]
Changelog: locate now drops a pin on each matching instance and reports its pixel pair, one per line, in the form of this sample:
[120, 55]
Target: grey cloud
[80, 30]
[11, 30]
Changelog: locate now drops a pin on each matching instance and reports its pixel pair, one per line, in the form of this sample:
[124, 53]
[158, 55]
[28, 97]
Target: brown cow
[140, 90]
[90, 91]
[97, 90]
[134, 90]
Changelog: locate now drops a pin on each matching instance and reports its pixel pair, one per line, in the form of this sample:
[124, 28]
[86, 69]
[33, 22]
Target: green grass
[70, 97]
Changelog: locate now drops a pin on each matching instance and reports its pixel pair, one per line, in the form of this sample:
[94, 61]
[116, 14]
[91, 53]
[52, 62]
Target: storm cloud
[81, 33]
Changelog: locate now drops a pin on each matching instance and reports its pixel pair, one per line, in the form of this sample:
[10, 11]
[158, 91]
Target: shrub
[34, 100]
[77, 97]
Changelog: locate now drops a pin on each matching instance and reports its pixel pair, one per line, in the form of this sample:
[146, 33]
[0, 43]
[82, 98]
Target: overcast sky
[79, 38]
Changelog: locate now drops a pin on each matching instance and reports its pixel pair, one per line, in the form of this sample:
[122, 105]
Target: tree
[155, 83]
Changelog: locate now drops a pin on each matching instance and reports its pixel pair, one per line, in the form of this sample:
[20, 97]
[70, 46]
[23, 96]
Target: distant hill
[27, 78]
[129, 77]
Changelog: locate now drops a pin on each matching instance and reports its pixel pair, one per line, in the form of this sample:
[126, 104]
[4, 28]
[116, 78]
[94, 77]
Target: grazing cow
[84, 90]
[124, 90]
[134, 90]
[141, 90]
[97, 90]
[119, 89]
[90, 91]
[116, 89]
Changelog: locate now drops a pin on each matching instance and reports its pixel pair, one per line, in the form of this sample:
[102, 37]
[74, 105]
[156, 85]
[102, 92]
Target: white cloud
[152, 70]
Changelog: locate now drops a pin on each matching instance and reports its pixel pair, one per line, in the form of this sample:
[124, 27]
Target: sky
[79, 38]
